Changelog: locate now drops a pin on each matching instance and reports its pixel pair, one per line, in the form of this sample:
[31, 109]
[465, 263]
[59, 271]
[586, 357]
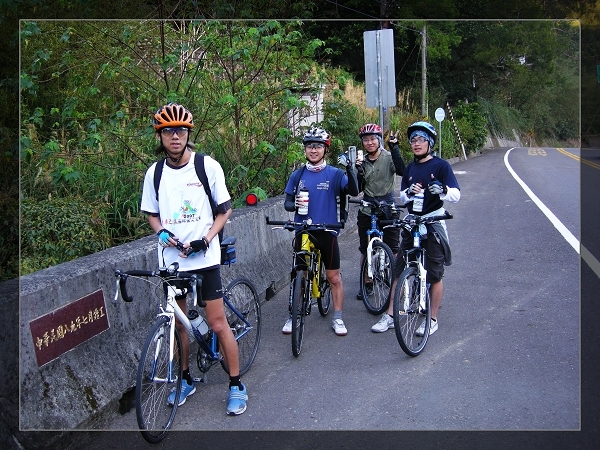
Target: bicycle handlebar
[163, 272]
[411, 220]
[305, 225]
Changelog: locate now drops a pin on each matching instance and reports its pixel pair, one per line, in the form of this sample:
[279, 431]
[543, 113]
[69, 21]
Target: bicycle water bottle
[416, 238]
[418, 202]
[303, 194]
[199, 325]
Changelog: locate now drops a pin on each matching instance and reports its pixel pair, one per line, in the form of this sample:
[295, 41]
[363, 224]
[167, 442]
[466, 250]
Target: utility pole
[385, 24]
[424, 72]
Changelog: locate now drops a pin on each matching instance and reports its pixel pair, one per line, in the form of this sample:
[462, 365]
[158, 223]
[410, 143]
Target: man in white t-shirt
[182, 213]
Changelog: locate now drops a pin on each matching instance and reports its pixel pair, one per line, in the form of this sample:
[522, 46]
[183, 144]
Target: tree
[89, 90]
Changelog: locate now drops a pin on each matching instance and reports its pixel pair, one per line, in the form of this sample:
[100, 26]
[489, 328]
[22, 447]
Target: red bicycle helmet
[172, 115]
[370, 128]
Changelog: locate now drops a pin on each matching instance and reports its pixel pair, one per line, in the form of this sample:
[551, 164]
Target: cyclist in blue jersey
[318, 177]
[432, 176]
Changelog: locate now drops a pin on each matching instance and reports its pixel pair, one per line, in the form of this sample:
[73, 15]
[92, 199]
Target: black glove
[393, 139]
[435, 187]
[200, 245]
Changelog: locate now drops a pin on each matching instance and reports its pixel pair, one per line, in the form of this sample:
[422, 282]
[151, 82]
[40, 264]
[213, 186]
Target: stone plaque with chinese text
[64, 329]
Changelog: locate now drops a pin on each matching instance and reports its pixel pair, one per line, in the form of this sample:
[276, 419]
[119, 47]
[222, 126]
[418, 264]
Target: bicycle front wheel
[324, 301]
[241, 293]
[410, 311]
[156, 378]
[299, 294]
[375, 287]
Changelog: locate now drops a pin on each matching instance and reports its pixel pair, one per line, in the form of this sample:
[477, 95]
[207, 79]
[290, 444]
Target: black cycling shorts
[325, 241]
[434, 257]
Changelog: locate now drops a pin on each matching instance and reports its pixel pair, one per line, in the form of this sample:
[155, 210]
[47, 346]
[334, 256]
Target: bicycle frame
[172, 310]
[374, 235]
[411, 224]
[419, 263]
[312, 257]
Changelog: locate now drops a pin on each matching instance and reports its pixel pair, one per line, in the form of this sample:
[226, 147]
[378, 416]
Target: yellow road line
[577, 158]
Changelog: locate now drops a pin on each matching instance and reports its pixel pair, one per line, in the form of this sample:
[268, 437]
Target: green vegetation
[88, 89]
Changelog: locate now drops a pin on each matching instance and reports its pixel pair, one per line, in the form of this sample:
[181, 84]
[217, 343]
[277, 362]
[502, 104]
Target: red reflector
[251, 199]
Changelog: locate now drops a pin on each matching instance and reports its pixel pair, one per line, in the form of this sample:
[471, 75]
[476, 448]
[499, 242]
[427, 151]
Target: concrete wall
[81, 388]
[497, 142]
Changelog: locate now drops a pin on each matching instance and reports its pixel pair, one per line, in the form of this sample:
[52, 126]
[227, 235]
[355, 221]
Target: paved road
[506, 355]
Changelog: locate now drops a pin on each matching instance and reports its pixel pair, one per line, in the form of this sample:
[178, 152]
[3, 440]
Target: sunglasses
[317, 146]
[170, 131]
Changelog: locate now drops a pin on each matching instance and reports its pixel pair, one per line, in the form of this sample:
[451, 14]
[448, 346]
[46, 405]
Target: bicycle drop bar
[163, 272]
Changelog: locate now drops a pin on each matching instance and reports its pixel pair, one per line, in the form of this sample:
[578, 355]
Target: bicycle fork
[422, 285]
[380, 255]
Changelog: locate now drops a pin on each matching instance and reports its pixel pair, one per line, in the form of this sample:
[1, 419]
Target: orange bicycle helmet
[172, 115]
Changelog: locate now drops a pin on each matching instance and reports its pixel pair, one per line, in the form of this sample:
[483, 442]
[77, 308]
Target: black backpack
[200, 172]
[341, 199]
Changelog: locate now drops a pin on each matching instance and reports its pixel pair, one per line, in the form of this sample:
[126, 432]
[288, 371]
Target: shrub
[60, 230]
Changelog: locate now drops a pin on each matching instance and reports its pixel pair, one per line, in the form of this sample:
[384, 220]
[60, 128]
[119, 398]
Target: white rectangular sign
[380, 73]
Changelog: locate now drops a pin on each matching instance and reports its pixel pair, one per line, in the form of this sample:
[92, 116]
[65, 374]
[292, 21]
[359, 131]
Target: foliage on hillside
[88, 88]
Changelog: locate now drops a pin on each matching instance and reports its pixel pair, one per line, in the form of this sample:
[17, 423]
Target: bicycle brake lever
[194, 291]
[117, 291]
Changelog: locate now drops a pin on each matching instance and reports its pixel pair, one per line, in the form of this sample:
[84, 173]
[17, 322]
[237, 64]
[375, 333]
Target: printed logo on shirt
[197, 184]
[324, 186]
[188, 209]
[186, 213]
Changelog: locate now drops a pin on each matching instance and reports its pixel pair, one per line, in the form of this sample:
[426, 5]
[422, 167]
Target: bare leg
[215, 315]
[436, 291]
[185, 341]
[337, 288]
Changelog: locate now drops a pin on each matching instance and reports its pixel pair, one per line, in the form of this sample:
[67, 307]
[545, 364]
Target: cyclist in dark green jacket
[377, 180]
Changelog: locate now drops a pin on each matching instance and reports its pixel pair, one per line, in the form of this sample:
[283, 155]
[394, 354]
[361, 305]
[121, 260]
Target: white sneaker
[432, 328]
[339, 327]
[385, 323]
[287, 328]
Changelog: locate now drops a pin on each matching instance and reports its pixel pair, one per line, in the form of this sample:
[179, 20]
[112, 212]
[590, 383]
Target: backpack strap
[157, 174]
[340, 198]
[201, 173]
[296, 175]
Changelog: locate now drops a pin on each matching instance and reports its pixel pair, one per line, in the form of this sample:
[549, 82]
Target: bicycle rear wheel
[241, 293]
[324, 301]
[299, 293]
[156, 378]
[410, 312]
[376, 294]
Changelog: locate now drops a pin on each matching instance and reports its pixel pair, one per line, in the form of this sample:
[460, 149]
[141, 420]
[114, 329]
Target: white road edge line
[584, 252]
[572, 240]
